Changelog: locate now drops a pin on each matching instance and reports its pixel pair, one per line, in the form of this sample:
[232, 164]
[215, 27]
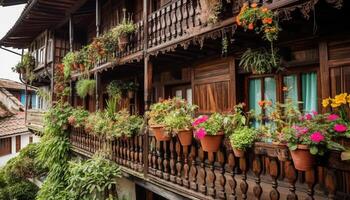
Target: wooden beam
[324, 70]
[97, 89]
[98, 18]
[71, 33]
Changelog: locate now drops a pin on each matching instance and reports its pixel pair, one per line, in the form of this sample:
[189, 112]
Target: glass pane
[255, 97]
[291, 85]
[178, 93]
[270, 92]
[309, 91]
[189, 96]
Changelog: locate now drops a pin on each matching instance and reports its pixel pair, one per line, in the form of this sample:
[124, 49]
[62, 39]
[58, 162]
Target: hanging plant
[123, 31]
[26, 67]
[85, 87]
[262, 21]
[259, 61]
[210, 12]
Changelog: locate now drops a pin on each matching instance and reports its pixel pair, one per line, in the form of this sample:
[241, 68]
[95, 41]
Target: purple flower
[200, 133]
[332, 117]
[340, 128]
[317, 137]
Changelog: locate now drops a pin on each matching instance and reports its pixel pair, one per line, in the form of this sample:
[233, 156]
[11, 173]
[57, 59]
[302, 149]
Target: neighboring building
[176, 51]
[14, 135]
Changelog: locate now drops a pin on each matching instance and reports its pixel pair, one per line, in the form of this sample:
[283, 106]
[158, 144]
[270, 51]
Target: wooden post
[53, 69]
[71, 33]
[324, 71]
[97, 18]
[97, 89]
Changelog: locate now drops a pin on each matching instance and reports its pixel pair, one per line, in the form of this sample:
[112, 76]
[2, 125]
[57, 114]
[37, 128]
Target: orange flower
[251, 26]
[267, 21]
[253, 5]
[263, 9]
[261, 103]
[238, 21]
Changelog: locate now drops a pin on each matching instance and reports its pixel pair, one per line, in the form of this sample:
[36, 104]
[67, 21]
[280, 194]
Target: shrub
[23, 191]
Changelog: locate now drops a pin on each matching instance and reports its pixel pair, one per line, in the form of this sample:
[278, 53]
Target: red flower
[340, 128]
[317, 137]
[332, 117]
[251, 26]
[200, 120]
[200, 133]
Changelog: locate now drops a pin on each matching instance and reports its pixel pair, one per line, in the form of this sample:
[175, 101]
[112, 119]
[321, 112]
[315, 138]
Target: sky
[8, 17]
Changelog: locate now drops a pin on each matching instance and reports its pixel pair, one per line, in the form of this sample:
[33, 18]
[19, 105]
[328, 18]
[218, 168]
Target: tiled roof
[13, 125]
[9, 84]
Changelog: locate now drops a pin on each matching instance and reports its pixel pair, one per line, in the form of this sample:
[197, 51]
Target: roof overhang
[37, 16]
[12, 2]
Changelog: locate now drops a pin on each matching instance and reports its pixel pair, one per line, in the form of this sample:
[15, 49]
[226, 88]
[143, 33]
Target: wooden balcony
[35, 120]
[266, 172]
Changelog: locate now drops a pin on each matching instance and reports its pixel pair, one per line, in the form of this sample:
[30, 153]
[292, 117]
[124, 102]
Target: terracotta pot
[185, 137]
[211, 143]
[160, 134]
[238, 153]
[302, 158]
[131, 94]
[123, 40]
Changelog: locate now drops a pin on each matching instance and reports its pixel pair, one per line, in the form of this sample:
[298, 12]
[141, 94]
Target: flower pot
[238, 152]
[123, 40]
[160, 134]
[302, 158]
[82, 67]
[211, 143]
[131, 94]
[185, 137]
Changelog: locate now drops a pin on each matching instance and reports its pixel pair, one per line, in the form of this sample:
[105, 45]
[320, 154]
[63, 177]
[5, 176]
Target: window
[302, 87]
[30, 139]
[299, 86]
[18, 143]
[5, 146]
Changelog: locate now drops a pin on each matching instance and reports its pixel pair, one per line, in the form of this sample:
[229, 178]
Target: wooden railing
[266, 172]
[35, 119]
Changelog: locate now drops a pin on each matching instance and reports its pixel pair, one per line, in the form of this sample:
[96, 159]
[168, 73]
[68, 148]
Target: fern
[259, 61]
[85, 87]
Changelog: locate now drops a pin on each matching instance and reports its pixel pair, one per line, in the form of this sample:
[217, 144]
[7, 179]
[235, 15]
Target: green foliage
[213, 125]
[68, 61]
[126, 125]
[243, 138]
[132, 86]
[78, 117]
[26, 67]
[43, 94]
[91, 179]
[125, 28]
[235, 120]
[85, 87]
[114, 89]
[215, 8]
[259, 61]
[23, 190]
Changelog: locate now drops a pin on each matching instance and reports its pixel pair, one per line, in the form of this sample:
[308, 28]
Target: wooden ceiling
[12, 2]
[37, 16]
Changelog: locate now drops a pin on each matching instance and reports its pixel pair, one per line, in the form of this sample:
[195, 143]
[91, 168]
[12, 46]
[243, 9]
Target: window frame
[5, 146]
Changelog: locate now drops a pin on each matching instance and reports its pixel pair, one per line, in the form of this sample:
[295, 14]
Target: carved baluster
[168, 22]
[201, 172]
[292, 176]
[136, 152]
[193, 169]
[174, 19]
[231, 183]
[150, 155]
[166, 161]
[163, 25]
[172, 161]
[154, 156]
[178, 163]
[159, 26]
[129, 148]
[191, 15]
[159, 159]
[132, 160]
[310, 181]
[210, 179]
[197, 12]
[126, 153]
[186, 167]
[116, 149]
[257, 169]
[179, 17]
[243, 184]
[140, 142]
[220, 178]
[274, 173]
[154, 27]
[185, 15]
[121, 150]
[331, 183]
[150, 31]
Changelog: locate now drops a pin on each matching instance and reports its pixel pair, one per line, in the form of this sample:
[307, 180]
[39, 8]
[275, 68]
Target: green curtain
[270, 92]
[291, 82]
[309, 91]
[255, 97]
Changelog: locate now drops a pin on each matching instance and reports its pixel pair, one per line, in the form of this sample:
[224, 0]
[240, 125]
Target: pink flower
[332, 117]
[314, 113]
[317, 137]
[340, 128]
[200, 133]
[300, 130]
[200, 120]
[308, 116]
[301, 118]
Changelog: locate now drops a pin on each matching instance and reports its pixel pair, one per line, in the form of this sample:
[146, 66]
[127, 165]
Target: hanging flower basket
[123, 40]
[185, 137]
[302, 158]
[160, 134]
[211, 143]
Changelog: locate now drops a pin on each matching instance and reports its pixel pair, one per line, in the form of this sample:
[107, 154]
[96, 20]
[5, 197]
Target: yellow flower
[335, 103]
[325, 102]
[348, 98]
[340, 98]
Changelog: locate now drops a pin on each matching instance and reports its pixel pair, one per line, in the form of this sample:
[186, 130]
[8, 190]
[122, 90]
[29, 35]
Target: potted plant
[156, 115]
[131, 87]
[241, 139]
[210, 11]
[126, 125]
[209, 130]
[259, 61]
[78, 117]
[179, 120]
[85, 87]
[123, 31]
[307, 138]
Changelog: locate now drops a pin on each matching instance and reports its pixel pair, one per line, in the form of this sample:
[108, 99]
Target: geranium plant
[205, 125]
[340, 104]
[78, 117]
